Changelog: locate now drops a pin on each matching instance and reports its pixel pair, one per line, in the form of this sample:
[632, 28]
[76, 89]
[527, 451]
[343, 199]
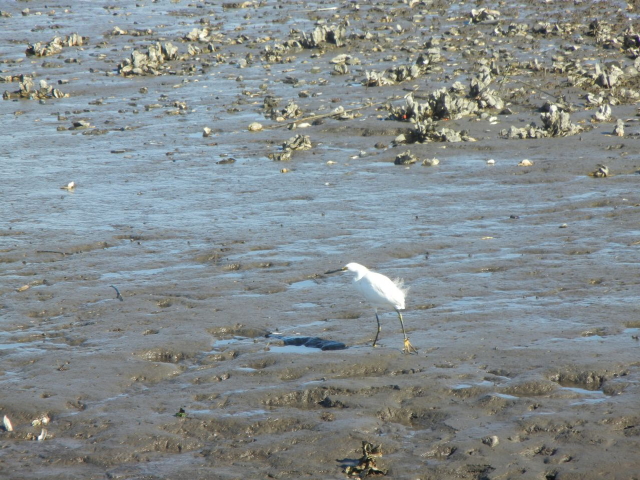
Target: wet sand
[524, 280]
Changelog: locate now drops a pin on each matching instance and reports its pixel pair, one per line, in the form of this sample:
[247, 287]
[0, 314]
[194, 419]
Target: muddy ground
[524, 279]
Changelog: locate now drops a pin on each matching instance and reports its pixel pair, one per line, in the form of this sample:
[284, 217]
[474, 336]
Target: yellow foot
[408, 348]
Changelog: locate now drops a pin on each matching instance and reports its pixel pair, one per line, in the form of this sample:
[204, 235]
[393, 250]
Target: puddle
[302, 325]
[590, 401]
[592, 396]
[303, 284]
[142, 273]
[306, 305]
[583, 391]
[22, 346]
[230, 341]
[294, 349]
[219, 414]
[484, 383]
[505, 396]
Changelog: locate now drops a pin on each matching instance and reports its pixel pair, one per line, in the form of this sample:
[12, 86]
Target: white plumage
[380, 291]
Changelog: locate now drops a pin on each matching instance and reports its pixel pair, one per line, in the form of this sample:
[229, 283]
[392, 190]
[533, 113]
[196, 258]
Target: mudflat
[160, 317]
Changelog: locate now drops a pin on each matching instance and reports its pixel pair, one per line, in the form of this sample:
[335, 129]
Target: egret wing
[381, 291]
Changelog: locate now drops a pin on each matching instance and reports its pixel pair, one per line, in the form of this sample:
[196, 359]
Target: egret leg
[408, 348]
[378, 332]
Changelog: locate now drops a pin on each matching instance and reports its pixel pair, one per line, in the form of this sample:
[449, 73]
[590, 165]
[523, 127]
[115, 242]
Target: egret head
[355, 267]
[352, 267]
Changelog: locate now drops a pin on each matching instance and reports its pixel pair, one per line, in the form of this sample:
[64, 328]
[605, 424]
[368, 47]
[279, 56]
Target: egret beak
[343, 269]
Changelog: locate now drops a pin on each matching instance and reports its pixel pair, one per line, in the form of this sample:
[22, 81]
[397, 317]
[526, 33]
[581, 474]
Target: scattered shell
[69, 186]
[430, 162]
[491, 161]
[150, 63]
[23, 288]
[607, 77]
[292, 110]
[492, 440]
[367, 463]
[483, 15]
[299, 142]
[232, 5]
[226, 161]
[441, 451]
[618, 130]
[283, 156]
[55, 46]
[525, 163]
[405, 158]
[7, 424]
[376, 79]
[603, 114]
[27, 89]
[322, 34]
[42, 435]
[41, 420]
[556, 123]
[340, 69]
[601, 172]
[285, 170]
[206, 132]
[255, 127]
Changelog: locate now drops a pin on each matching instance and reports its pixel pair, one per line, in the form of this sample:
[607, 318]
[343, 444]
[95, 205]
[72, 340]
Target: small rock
[405, 158]
[255, 127]
[601, 172]
[618, 130]
[492, 440]
[603, 114]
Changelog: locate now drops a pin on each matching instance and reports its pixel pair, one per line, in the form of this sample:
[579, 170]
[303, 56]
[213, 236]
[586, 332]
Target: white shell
[491, 161]
[430, 162]
[42, 435]
[525, 163]
[255, 127]
[41, 420]
[7, 424]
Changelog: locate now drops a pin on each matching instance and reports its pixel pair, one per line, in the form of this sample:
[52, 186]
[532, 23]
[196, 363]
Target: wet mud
[166, 316]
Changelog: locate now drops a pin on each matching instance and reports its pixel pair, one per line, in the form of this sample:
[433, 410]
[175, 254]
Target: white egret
[380, 291]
